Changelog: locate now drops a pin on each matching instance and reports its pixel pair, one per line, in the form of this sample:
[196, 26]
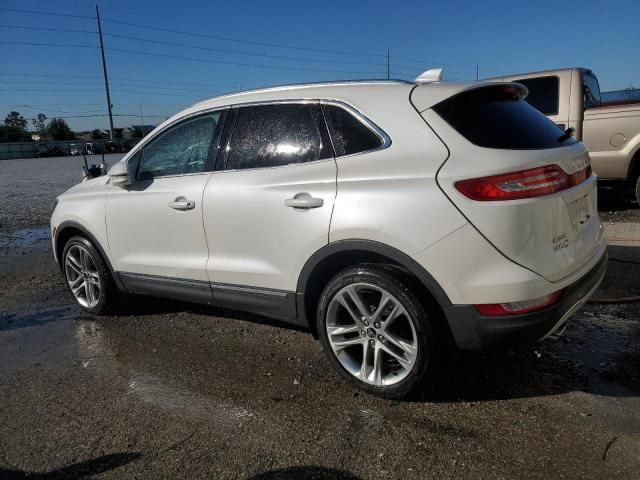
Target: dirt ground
[172, 390]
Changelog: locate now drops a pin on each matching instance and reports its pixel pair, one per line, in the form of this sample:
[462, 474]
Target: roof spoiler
[432, 75]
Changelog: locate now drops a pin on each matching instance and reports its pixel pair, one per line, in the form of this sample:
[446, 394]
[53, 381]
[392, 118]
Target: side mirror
[119, 175]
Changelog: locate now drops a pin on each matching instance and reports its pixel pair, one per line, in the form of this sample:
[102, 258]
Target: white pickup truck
[571, 98]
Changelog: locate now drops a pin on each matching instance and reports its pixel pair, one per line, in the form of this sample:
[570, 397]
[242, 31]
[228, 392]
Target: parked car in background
[112, 147]
[45, 151]
[571, 98]
[76, 149]
[89, 148]
[391, 219]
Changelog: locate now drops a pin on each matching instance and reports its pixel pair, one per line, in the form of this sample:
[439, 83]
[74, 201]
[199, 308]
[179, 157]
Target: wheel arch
[336, 256]
[634, 164]
[68, 229]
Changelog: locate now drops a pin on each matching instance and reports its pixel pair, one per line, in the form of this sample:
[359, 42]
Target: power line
[195, 34]
[195, 59]
[38, 12]
[46, 75]
[198, 47]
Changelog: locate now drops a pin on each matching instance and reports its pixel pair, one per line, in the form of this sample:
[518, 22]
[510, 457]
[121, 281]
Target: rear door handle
[304, 201]
[182, 203]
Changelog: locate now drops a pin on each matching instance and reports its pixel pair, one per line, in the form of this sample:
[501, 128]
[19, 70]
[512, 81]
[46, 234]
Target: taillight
[523, 184]
[517, 308]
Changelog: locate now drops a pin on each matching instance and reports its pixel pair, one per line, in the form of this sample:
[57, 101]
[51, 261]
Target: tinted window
[497, 117]
[349, 135]
[543, 93]
[591, 91]
[273, 135]
[182, 149]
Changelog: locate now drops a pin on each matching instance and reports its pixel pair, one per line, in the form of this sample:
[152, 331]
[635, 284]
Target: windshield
[591, 89]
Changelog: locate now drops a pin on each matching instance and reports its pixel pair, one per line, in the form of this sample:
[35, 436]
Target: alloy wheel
[371, 334]
[81, 272]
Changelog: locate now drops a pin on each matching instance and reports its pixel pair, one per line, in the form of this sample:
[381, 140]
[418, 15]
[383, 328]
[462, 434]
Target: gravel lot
[171, 390]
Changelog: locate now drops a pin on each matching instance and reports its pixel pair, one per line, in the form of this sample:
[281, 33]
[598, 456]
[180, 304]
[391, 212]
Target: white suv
[389, 218]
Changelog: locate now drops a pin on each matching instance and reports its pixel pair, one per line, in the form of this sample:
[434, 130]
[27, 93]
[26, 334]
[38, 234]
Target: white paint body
[240, 231]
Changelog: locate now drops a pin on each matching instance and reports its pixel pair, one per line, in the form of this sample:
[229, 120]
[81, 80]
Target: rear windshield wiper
[566, 135]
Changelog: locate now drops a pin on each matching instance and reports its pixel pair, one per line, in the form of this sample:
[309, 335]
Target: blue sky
[503, 37]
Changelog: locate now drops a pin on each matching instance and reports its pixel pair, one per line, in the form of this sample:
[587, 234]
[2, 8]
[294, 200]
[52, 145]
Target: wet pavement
[172, 390]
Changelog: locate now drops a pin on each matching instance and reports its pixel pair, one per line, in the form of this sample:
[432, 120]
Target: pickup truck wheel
[638, 190]
[375, 332]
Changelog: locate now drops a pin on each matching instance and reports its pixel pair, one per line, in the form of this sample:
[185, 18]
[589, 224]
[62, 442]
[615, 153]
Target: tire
[397, 338]
[637, 189]
[88, 277]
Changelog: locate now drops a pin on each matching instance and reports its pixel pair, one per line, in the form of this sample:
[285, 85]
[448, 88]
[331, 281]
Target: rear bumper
[472, 331]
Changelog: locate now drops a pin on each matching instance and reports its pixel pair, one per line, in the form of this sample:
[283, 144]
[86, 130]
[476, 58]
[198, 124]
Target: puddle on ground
[12, 321]
[95, 350]
[39, 237]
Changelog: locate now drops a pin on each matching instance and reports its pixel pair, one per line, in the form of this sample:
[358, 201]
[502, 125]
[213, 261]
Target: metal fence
[69, 147]
[630, 95]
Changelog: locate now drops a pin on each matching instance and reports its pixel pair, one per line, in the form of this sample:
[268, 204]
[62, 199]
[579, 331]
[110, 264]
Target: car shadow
[598, 352]
[139, 305]
[85, 469]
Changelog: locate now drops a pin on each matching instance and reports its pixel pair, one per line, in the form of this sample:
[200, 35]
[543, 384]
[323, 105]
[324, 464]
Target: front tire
[375, 332]
[637, 190]
[87, 276]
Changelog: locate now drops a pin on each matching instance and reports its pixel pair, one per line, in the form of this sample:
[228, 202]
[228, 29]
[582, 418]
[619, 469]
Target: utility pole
[477, 71]
[388, 66]
[104, 71]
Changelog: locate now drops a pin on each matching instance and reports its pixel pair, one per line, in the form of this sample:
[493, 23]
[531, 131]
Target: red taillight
[517, 308]
[523, 184]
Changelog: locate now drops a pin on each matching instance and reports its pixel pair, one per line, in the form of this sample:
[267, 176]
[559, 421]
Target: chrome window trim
[359, 115]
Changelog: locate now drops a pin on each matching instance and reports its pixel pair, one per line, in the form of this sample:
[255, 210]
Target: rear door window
[498, 117]
[543, 93]
[348, 134]
[279, 134]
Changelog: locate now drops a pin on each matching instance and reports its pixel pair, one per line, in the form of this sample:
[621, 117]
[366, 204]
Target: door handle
[304, 201]
[182, 203]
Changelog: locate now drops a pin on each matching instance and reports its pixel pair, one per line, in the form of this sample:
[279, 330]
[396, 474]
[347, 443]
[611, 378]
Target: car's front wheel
[87, 276]
[375, 331]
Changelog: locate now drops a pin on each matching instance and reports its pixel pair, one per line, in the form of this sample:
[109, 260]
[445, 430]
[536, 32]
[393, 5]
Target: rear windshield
[498, 117]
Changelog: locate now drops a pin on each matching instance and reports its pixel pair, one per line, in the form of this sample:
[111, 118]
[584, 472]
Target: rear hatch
[525, 186]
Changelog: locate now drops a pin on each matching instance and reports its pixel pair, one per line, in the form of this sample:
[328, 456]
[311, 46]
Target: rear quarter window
[498, 117]
[348, 134]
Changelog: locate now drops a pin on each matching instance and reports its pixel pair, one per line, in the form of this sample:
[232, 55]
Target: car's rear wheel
[87, 276]
[375, 332]
[637, 189]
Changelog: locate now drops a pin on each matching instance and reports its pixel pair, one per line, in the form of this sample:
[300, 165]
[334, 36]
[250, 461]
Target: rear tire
[637, 189]
[88, 277]
[375, 332]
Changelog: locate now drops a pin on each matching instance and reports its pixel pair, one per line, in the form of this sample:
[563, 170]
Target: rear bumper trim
[473, 331]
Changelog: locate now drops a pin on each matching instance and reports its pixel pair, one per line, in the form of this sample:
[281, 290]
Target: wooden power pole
[104, 71]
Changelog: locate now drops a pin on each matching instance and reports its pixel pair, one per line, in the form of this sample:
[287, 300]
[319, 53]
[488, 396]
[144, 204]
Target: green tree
[118, 133]
[40, 125]
[59, 130]
[16, 128]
